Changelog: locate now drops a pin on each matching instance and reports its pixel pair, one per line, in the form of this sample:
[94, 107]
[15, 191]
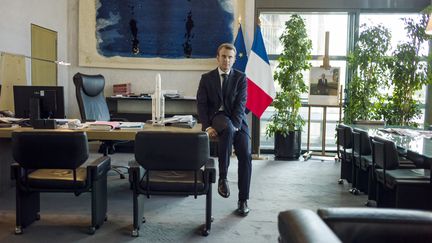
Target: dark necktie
[224, 84]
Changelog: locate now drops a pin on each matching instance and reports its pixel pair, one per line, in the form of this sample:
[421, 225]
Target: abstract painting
[155, 34]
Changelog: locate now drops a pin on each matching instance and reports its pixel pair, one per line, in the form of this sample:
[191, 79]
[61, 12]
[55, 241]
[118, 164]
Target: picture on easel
[324, 86]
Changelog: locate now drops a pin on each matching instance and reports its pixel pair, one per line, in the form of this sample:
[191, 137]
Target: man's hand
[211, 132]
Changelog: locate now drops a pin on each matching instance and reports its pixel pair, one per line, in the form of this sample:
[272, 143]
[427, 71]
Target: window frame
[353, 12]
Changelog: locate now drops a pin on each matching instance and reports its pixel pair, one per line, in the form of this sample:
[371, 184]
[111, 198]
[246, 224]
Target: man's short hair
[228, 46]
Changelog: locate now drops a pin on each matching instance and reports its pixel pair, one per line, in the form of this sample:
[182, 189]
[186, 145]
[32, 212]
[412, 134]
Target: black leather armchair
[89, 90]
[50, 161]
[398, 182]
[356, 225]
[170, 163]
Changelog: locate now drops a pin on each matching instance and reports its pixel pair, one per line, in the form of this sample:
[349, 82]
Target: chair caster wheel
[205, 232]
[354, 191]
[106, 218]
[18, 230]
[135, 233]
[211, 219]
[37, 216]
[340, 181]
[91, 230]
[143, 220]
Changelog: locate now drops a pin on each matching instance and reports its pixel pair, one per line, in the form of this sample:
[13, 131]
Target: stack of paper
[11, 120]
[131, 125]
[103, 125]
[187, 121]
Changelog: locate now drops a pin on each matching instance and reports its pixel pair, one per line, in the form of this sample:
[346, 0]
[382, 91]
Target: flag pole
[256, 123]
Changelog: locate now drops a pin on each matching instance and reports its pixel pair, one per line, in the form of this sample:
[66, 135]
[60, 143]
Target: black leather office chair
[170, 163]
[91, 98]
[93, 107]
[50, 161]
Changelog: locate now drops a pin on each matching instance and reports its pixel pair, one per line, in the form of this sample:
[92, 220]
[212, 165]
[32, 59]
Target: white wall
[16, 17]
[186, 82]
[62, 16]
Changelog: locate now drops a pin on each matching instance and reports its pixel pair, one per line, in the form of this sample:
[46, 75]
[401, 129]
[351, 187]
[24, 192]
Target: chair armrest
[303, 226]
[99, 166]
[15, 171]
[210, 170]
[136, 171]
[379, 224]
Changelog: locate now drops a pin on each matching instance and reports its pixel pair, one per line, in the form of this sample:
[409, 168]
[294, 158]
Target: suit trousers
[240, 139]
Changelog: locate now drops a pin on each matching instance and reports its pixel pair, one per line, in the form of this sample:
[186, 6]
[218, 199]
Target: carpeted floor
[276, 186]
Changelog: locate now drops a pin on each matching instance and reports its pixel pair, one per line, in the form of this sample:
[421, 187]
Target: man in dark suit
[221, 100]
[322, 85]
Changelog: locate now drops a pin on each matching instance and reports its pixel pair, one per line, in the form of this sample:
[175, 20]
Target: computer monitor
[43, 101]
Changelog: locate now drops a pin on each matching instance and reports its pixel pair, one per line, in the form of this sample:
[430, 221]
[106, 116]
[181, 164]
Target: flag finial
[259, 21]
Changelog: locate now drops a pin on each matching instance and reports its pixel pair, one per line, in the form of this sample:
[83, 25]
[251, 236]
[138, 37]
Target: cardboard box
[122, 89]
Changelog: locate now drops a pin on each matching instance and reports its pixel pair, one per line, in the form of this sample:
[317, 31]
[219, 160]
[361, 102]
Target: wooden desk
[128, 134]
[418, 145]
[140, 108]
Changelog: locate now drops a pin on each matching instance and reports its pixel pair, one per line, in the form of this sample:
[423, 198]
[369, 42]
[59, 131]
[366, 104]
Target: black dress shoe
[223, 188]
[243, 208]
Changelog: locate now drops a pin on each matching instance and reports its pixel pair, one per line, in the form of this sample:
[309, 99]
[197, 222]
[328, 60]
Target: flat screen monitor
[48, 99]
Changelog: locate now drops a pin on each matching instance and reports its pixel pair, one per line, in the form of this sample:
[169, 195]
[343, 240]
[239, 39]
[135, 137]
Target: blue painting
[172, 29]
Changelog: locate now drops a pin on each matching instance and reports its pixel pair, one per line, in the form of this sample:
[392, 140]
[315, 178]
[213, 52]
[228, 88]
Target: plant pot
[289, 147]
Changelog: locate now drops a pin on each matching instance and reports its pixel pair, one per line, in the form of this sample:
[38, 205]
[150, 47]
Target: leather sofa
[355, 225]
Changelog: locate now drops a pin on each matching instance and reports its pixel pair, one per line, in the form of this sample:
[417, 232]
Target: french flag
[260, 90]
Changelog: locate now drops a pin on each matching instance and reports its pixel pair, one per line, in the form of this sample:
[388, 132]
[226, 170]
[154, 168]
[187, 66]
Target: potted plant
[369, 66]
[286, 123]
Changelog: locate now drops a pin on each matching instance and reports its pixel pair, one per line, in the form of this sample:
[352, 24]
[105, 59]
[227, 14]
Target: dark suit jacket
[209, 98]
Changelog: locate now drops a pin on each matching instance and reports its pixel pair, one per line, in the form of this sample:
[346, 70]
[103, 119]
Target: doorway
[44, 55]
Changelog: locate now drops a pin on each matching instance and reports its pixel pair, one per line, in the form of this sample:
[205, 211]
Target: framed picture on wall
[324, 86]
[158, 35]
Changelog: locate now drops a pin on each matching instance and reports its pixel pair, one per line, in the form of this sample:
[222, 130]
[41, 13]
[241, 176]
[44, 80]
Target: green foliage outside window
[384, 88]
[370, 72]
[408, 75]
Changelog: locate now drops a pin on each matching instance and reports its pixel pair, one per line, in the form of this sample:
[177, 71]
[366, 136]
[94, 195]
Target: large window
[395, 22]
[317, 24]
[273, 24]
